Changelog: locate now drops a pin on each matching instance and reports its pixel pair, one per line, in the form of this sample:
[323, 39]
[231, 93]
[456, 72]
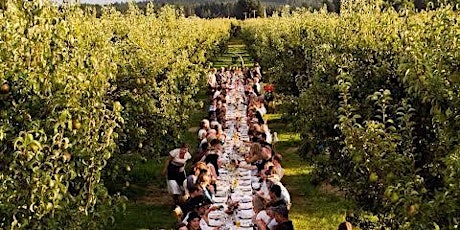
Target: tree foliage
[375, 96]
[77, 92]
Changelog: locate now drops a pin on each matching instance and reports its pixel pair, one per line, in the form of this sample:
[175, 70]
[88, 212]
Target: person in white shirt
[204, 127]
[268, 135]
[175, 171]
[256, 86]
[285, 196]
[198, 219]
[212, 81]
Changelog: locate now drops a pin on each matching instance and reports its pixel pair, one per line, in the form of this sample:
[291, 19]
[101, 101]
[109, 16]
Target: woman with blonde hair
[191, 179]
[204, 181]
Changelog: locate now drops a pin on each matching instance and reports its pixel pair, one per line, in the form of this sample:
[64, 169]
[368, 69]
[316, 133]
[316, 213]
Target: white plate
[246, 214]
[220, 199]
[243, 206]
[216, 215]
[247, 177]
[221, 193]
[246, 199]
[244, 182]
[246, 223]
[247, 188]
[216, 223]
[245, 228]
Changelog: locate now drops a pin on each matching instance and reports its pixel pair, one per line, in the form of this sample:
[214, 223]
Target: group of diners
[194, 194]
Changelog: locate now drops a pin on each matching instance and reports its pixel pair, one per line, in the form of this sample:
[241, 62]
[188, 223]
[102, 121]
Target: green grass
[235, 48]
[142, 216]
[311, 207]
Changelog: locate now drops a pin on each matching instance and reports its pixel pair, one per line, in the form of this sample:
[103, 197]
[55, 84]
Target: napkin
[256, 185]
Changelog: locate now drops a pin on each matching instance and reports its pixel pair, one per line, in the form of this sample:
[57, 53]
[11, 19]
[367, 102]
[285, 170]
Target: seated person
[181, 226]
[266, 219]
[191, 179]
[274, 180]
[205, 183]
[345, 226]
[281, 214]
[274, 194]
[199, 215]
[196, 194]
[277, 158]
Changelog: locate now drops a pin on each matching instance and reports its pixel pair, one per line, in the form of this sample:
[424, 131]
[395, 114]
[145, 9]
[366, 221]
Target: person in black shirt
[282, 218]
[196, 195]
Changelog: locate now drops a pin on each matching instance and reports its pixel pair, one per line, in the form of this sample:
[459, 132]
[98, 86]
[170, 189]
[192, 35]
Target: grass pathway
[313, 208]
[149, 205]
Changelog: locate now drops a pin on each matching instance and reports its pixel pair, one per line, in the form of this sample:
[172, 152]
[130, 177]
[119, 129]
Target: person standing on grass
[175, 171]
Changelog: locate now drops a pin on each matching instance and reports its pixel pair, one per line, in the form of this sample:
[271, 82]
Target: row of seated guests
[272, 202]
[199, 187]
[223, 78]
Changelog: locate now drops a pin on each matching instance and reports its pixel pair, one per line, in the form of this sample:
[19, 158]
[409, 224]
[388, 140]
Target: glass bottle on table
[237, 220]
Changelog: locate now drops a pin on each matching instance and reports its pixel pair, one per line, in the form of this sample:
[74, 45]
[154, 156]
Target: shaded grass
[142, 216]
[311, 208]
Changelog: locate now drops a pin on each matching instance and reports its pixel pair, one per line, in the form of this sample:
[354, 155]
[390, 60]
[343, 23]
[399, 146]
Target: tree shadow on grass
[312, 208]
[143, 216]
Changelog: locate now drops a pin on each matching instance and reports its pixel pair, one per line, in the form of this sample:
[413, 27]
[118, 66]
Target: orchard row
[375, 95]
[77, 90]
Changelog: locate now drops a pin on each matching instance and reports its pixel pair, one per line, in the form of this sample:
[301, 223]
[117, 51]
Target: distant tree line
[242, 9]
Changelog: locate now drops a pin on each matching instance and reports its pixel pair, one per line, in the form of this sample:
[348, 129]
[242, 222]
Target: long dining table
[235, 184]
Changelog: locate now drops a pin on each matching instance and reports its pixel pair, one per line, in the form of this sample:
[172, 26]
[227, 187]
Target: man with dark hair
[196, 195]
[281, 214]
[199, 205]
[275, 196]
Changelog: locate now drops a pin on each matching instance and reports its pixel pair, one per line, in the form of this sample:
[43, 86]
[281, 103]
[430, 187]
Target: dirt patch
[194, 129]
[330, 189]
[156, 196]
[291, 150]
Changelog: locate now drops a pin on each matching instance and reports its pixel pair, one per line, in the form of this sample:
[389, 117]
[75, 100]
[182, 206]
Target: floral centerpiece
[269, 89]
